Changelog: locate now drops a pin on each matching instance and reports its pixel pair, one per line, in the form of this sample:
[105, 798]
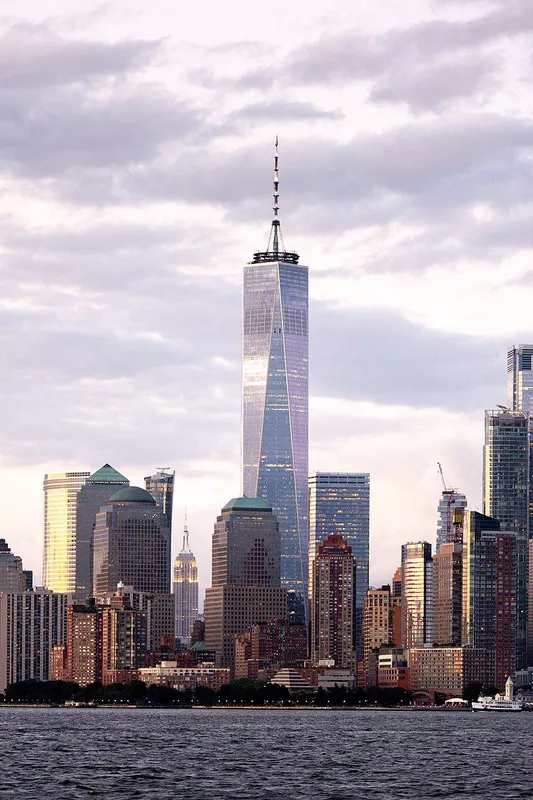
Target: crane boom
[442, 476]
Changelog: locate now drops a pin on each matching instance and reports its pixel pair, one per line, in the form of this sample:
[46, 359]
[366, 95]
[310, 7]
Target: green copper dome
[132, 494]
[247, 504]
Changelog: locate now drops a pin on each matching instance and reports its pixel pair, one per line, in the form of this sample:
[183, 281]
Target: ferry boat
[502, 702]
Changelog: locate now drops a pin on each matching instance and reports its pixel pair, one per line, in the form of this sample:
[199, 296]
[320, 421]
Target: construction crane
[449, 495]
[442, 476]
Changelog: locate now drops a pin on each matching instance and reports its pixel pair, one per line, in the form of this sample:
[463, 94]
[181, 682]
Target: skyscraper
[61, 491]
[94, 494]
[275, 396]
[185, 587]
[333, 603]
[161, 487]
[489, 591]
[378, 621]
[449, 517]
[417, 594]
[448, 593]
[339, 503]
[131, 544]
[12, 577]
[520, 378]
[506, 495]
[246, 587]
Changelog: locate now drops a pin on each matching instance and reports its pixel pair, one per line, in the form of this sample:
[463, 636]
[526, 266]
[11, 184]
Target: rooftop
[107, 474]
[247, 504]
[132, 494]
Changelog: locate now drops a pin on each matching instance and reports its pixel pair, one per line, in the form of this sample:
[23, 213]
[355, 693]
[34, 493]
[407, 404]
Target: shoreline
[126, 707]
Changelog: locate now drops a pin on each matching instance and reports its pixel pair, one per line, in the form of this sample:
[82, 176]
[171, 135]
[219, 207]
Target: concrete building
[448, 593]
[489, 591]
[393, 668]
[449, 669]
[12, 577]
[61, 492]
[378, 626]
[333, 603]
[31, 624]
[506, 481]
[131, 544]
[339, 503]
[122, 633]
[275, 398]
[94, 494]
[82, 648]
[417, 595]
[269, 646]
[185, 679]
[246, 575]
[158, 609]
[185, 588]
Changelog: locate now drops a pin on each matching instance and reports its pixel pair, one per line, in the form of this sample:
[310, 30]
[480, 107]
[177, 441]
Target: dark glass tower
[275, 397]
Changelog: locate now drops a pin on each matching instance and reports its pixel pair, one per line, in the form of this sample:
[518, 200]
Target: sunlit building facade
[185, 588]
[417, 595]
[61, 492]
[339, 503]
[275, 398]
[506, 470]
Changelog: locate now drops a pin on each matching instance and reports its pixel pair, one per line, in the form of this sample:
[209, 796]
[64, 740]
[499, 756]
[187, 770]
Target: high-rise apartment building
[448, 593]
[450, 514]
[489, 591]
[31, 624]
[339, 503]
[275, 397]
[506, 497]
[82, 649]
[520, 378]
[185, 588]
[131, 544]
[12, 577]
[333, 603]
[61, 492]
[378, 619]
[417, 595]
[161, 487]
[94, 494]
[122, 640]
[246, 587]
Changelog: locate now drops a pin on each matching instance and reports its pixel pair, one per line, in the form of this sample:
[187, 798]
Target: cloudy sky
[135, 168]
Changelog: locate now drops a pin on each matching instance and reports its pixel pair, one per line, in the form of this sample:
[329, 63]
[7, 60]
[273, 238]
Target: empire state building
[276, 398]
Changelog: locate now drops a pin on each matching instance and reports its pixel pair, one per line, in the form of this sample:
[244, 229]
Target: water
[67, 754]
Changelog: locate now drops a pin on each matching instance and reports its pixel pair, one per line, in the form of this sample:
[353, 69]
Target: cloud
[281, 110]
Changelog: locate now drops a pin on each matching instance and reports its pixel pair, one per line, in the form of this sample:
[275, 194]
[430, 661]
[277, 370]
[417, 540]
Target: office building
[333, 603]
[448, 593]
[61, 490]
[393, 668]
[31, 624]
[28, 575]
[161, 487]
[448, 670]
[12, 577]
[93, 495]
[417, 595]
[506, 497]
[246, 587]
[520, 378]
[450, 514]
[185, 588]
[489, 591]
[131, 544]
[339, 503]
[275, 398]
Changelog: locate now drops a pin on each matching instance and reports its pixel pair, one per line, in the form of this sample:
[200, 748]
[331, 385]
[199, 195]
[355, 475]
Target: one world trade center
[276, 398]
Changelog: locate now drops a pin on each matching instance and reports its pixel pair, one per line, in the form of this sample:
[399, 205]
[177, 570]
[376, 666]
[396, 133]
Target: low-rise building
[185, 678]
[393, 668]
[449, 669]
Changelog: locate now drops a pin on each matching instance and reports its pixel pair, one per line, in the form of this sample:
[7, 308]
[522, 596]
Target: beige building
[449, 669]
[185, 678]
[246, 575]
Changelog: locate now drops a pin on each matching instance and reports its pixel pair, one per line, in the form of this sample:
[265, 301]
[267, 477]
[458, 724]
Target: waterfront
[70, 754]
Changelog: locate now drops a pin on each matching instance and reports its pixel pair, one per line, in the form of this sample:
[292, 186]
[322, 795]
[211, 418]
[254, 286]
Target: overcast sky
[135, 181]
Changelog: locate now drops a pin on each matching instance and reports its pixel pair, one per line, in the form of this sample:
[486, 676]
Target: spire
[276, 247]
[185, 548]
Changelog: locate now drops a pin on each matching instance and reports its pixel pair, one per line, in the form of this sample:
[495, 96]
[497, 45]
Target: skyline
[414, 217]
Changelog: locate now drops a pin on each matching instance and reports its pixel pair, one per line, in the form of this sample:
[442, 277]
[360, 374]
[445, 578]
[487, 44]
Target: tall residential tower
[275, 396]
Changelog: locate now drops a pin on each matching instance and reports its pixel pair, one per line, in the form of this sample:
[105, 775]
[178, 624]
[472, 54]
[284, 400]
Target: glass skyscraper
[61, 491]
[417, 595]
[450, 512]
[339, 503]
[275, 397]
[520, 378]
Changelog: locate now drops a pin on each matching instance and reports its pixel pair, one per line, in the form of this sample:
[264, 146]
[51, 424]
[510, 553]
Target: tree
[472, 691]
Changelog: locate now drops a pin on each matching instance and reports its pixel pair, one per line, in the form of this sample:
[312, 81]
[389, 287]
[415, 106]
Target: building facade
[61, 490]
[520, 378]
[12, 577]
[131, 544]
[94, 494]
[333, 603]
[448, 670]
[339, 502]
[185, 588]
[31, 624]
[448, 593]
[450, 512]
[246, 586]
[276, 397]
[161, 487]
[185, 679]
[506, 473]
[417, 595]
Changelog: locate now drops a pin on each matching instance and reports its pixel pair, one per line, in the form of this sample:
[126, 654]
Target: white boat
[502, 702]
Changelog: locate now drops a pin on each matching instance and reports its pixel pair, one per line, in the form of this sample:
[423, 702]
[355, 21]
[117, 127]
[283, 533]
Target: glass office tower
[417, 595]
[520, 378]
[275, 398]
[61, 491]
